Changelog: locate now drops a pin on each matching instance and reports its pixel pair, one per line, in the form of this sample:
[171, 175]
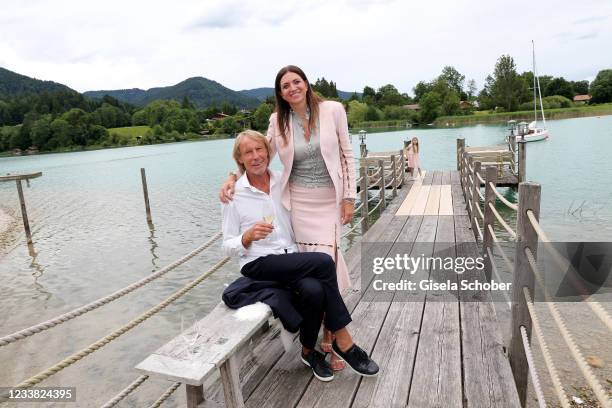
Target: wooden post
[466, 179]
[529, 199]
[363, 173]
[24, 213]
[231, 383]
[393, 177]
[522, 161]
[475, 200]
[362, 150]
[470, 187]
[381, 166]
[489, 219]
[402, 168]
[145, 190]
[460, 146]
[195, 395]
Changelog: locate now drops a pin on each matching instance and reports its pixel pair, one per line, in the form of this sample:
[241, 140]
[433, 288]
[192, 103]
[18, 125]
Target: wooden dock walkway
[434, 351]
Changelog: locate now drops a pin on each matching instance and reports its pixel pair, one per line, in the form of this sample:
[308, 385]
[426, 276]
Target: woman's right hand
[227, 190]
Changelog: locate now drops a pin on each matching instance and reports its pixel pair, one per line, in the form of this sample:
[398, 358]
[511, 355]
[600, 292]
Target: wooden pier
[509, 160]
[432, 351]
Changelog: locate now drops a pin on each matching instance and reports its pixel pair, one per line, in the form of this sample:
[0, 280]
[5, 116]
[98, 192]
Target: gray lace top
[309, 168]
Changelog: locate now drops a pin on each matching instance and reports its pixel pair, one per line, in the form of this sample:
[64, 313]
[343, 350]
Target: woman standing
[318, 182]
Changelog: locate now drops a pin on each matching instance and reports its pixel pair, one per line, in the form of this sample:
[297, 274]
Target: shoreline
[5, 222]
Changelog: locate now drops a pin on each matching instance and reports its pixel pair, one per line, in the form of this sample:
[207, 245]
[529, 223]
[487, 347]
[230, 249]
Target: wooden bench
[211, 343]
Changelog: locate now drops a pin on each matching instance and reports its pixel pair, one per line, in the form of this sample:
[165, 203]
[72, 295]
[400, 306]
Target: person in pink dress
[318, 180]
[414, 162]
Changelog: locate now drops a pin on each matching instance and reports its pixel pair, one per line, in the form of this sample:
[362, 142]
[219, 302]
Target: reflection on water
[91, 238]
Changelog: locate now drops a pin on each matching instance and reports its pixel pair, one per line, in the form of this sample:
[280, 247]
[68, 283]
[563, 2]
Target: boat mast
[535, 104]
[539, 90]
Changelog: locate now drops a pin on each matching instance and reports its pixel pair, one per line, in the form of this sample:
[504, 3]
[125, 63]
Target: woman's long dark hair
[283, 109]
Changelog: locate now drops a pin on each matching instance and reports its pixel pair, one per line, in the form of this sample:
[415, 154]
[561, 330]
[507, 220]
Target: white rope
[502, 222]
[496, 275]
[509, 263]
[22, 334]
[165, 395]
[375, 208]
[502, 198]
[548, 361]
[478, 228]
[125, 392]
[564, 265]
[567, 336]
[480, 178]
[481, 195]
[480, 214]
[40, 377]
[532, 369]
[357, 224]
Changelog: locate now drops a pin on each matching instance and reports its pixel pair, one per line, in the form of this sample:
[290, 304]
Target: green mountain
[201, 92]
[13, 84]
[262, 93]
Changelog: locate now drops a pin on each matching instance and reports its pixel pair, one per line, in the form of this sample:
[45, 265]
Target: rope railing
[358, 180]
[375, 208]
[548, 361]
[502, 222]
[498, 277]
[165, 395]
[503, 199]
[373, 198]
[24, 333]
[509, 263]
[357, 224]
[476, 222]
[358, 208]
[535, 380]
[125, 392]
[40, 377]
[482, 197]
[567, 336]
[480, 213]
[565, 265]
[480, 178]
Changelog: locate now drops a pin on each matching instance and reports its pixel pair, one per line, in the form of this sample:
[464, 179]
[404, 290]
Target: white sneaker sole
[349, 366]
[324, 379]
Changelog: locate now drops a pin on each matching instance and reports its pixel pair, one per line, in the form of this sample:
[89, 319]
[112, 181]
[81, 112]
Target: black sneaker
[357, 359]
[320, 367]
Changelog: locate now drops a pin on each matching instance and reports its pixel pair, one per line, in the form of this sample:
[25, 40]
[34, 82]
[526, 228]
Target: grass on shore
[560, 113]
[129, 133]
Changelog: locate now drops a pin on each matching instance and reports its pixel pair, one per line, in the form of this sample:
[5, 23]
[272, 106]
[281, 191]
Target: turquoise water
[91, 237]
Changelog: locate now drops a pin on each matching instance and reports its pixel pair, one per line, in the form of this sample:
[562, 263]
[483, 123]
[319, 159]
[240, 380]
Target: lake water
[91, 237]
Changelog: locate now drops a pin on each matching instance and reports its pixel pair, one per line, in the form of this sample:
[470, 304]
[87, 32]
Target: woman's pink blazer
[335, 148]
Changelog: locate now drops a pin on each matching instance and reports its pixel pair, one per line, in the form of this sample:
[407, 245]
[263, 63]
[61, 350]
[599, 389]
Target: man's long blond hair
[253, 135]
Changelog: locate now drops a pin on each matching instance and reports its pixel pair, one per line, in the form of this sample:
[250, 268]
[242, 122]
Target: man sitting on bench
[257, 229]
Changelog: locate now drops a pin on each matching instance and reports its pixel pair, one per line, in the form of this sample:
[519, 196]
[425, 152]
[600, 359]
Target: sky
[242, 44]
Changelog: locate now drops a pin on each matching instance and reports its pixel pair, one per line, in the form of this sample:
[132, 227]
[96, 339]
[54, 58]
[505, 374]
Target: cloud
[222, 17]
[586, 36]
[591, 19]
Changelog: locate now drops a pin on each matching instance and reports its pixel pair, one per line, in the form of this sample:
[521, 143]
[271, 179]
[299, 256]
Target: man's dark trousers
[313, 276]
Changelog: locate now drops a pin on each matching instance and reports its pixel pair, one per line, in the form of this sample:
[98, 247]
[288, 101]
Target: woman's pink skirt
[315, 218]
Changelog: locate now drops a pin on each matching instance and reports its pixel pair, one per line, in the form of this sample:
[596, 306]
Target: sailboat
[531, 132]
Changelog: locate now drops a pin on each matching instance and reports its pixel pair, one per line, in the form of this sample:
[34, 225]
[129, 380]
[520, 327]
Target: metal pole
[24, 213]
[145, 190]
[529, 199]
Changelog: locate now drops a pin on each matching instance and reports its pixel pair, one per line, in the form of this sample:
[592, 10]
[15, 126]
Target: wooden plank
[24, 176]
[420, 203]
[284, 383]
[455, 178]
[446, 200]
[410, 199]
[231, 383]
[205, 345]
[459, 205]
[488, 380]
[433, 201]
[368, 319]
[437, 372]
[446, 177]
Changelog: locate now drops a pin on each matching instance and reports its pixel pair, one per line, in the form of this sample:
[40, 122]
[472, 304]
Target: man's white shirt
[247, 209]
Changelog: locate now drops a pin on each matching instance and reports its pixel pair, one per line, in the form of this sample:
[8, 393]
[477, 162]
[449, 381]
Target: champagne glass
[267, 214]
